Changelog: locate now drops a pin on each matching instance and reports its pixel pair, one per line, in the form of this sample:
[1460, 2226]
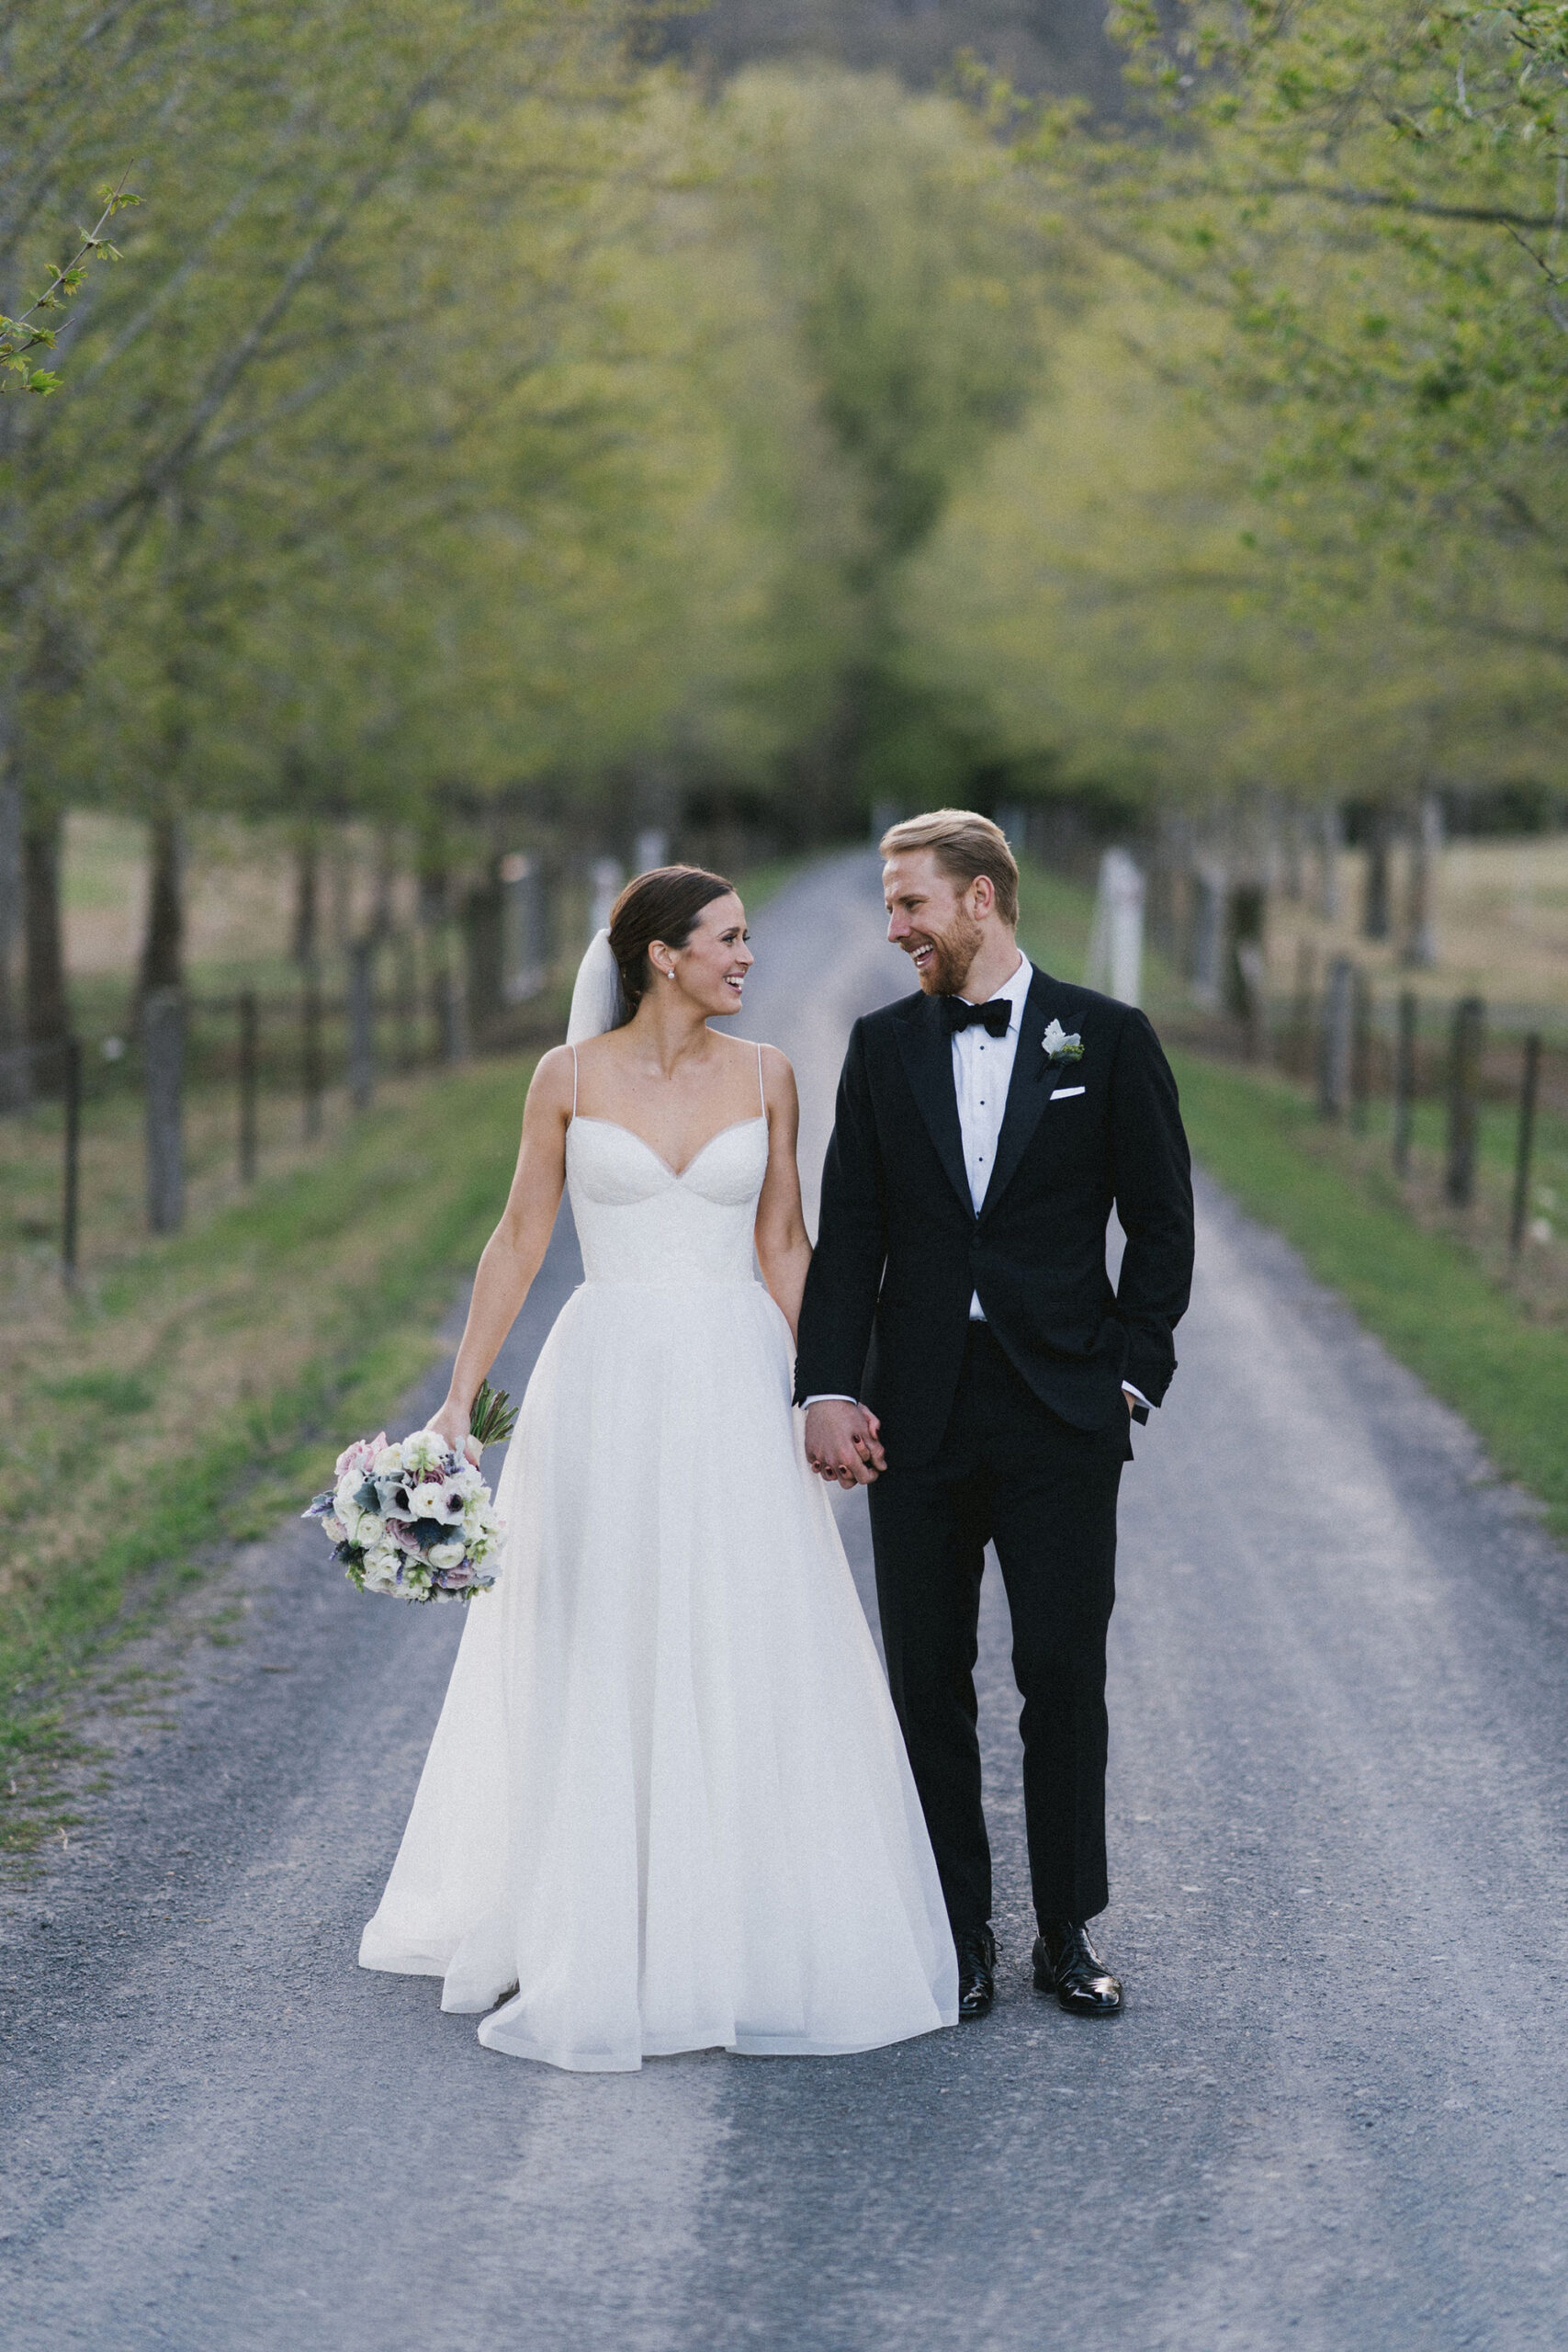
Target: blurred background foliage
[548, 423]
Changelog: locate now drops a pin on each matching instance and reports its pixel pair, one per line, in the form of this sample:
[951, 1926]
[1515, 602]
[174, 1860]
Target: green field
[206, 1382]
[1478, 1342]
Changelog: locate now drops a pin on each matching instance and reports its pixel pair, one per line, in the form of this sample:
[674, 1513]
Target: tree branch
[1485, 215]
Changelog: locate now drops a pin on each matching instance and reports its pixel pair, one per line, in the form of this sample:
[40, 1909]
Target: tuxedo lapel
[1026, 1095]
[927, 1050]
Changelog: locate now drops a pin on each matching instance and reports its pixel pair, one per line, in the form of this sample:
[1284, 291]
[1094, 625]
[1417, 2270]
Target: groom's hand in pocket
[841, 1442]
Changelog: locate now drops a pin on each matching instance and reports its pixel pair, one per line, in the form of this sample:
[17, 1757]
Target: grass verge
[208, 1382]
[1424, 1292]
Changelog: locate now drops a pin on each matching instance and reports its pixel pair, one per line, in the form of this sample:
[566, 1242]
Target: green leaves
[19, 337]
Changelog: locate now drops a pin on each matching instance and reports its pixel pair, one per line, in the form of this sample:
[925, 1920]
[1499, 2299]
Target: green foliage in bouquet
[494, 1416]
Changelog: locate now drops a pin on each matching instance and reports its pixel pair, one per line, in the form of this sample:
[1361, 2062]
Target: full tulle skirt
[667, 1804]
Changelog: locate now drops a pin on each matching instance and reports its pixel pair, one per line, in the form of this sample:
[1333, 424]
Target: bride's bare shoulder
[778, 1077]
[774, 1063]
[550, 1088]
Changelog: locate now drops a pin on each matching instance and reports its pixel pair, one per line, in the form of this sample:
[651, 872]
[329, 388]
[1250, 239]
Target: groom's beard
[952, 957]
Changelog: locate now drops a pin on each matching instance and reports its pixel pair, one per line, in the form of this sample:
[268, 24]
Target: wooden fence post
[362, 1022]
[454, 1012]
[162, 1047]
[311, 1049]
[1300, 1014]
[1333, 1057]
[248, 1086]
[1404, 1080]
[1464, 1098]
[71, 1188]
[407, 966]
[1360, 1050]
[1529, 1089]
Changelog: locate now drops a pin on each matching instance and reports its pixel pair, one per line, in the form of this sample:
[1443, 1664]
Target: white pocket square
[1059, 1094]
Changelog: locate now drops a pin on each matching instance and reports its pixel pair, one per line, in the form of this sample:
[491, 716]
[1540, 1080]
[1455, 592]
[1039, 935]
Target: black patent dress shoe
[1067, 1963]
[977, 1959]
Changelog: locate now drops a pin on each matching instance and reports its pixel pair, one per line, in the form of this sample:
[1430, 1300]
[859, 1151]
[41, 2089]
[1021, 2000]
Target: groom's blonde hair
[964, 846]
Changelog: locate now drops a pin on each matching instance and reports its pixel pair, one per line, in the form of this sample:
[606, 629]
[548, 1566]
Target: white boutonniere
[1061, 1048]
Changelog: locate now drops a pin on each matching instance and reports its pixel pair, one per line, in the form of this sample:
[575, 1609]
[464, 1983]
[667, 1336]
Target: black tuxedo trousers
[1010, 1472]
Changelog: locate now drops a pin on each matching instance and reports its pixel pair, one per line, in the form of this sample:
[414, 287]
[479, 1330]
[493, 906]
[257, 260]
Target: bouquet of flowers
[414, 1519]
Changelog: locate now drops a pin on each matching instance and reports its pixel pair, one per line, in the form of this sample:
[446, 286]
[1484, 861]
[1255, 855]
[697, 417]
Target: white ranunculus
[369, 1529]
[423, 1451]
[388, 1463]
[446, 1555]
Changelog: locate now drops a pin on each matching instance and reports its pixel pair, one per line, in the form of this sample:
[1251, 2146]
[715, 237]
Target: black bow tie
[997, 1015]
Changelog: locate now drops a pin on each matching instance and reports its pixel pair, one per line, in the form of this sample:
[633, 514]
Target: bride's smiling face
[712, 966]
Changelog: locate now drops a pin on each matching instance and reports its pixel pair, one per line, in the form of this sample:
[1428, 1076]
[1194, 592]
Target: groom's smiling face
[930, 918]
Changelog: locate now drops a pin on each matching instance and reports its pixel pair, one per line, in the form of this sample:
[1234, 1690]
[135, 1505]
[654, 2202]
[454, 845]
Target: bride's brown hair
[663, 904]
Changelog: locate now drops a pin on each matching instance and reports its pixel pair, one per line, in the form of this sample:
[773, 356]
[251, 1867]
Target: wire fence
[1406, 1061]
[389, 1008]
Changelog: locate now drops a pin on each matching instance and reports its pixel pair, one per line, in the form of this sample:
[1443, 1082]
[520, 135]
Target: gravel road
[1333, 2116]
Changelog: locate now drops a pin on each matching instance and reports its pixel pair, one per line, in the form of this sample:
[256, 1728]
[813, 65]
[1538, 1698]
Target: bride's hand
[451, 1423]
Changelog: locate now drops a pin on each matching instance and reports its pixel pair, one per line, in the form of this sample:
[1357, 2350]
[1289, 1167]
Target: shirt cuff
[833, 1398]
[1137, 1393]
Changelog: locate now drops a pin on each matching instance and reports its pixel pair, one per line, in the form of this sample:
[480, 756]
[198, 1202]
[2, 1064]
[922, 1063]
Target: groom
[964, 1354]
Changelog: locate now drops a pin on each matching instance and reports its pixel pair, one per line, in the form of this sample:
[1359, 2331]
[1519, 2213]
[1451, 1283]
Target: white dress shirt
[982, 1072]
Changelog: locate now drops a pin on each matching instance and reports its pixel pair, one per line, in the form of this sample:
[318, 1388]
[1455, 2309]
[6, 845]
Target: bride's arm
[515, 1249]
[783, 1252]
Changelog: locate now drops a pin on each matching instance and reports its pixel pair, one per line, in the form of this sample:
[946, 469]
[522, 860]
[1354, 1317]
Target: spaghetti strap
[761, 1090]
[574, 1082]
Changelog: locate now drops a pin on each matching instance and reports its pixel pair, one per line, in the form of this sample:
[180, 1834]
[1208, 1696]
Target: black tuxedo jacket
[886, 1309]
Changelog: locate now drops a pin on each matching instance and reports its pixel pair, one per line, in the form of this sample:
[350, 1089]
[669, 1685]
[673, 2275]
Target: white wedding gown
[668, 1800]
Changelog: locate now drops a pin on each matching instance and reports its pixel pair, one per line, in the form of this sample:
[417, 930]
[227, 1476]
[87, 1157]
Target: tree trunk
[1375, 921]
[162, 949]
[47, 1005]
[383, 912]
[1331, 835]
[1420, 914]
[306, 945]
[13, 1066]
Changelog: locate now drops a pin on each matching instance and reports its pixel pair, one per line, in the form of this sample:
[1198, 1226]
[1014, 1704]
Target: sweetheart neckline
[586, 1118]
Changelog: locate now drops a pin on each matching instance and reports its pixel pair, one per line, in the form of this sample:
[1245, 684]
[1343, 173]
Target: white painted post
[1116, 942]
[1209, 935]
[605, 874]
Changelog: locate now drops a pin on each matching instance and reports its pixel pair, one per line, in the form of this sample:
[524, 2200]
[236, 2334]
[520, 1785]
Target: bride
[667, 1805]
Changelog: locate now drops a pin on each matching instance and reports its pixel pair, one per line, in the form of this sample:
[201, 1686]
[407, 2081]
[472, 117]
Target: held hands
[841, 1442]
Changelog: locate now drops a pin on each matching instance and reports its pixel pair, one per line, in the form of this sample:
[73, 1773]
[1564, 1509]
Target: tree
[294, 151]
[919, 283]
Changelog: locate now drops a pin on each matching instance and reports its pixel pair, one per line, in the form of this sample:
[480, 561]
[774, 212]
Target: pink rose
[360, 1454]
